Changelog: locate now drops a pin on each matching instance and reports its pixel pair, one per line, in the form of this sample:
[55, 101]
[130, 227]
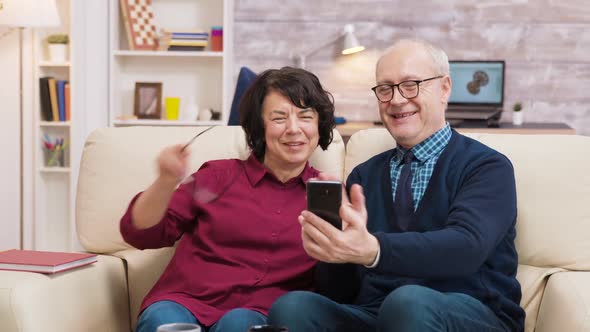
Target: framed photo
[148, 100]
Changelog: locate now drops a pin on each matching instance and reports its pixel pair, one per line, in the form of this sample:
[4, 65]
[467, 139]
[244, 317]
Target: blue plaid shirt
[426, 154]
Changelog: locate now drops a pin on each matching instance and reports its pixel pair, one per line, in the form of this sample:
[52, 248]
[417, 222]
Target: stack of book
[55, 99]
[183, 40]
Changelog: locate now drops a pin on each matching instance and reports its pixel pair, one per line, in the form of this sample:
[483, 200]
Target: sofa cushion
[550, 200]
[90, 298]
[532, 281]
[245, 78]
[553, 192]
[566, 303]
[119, 162]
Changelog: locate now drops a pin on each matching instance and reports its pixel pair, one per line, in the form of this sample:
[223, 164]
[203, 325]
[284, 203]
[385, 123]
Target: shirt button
[265, 261]
[278, 211]
[273, 235]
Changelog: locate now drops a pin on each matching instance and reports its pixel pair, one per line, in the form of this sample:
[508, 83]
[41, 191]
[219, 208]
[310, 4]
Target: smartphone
[324, 199]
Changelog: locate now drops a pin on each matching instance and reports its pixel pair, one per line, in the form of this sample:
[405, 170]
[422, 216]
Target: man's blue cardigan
[461, 238]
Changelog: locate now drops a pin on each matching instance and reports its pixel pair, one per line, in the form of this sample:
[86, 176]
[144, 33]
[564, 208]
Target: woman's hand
[151, 205]
[172, 164]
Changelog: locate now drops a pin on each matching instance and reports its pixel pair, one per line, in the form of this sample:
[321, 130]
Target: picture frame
[148, 100]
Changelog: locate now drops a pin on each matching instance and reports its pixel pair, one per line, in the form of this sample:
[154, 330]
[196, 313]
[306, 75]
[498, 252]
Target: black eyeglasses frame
[392, 86]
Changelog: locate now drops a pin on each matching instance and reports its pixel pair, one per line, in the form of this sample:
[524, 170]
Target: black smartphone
[324, 199]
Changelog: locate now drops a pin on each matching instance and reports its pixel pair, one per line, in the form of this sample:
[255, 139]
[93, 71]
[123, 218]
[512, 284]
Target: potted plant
[58, 46]
[517, 114]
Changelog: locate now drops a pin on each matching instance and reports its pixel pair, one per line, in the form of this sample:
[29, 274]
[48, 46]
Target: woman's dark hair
[301, 87]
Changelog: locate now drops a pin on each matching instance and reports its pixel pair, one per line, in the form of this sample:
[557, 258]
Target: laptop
[477, 94]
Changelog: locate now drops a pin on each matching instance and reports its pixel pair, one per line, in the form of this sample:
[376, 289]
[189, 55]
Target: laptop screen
[477, 83]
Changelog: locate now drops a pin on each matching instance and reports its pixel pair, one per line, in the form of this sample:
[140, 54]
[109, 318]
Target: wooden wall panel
[545, 43]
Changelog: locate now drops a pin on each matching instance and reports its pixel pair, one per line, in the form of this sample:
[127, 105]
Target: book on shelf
[45, 99]
[61, 99]
[47, 262]
[186, 48]
[184, 40]
[53, 97]
[195, 36]
[67, 102]
[177, 42]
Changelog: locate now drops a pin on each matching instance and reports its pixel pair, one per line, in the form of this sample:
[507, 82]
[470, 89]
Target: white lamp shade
[351, 44]
[28, 13]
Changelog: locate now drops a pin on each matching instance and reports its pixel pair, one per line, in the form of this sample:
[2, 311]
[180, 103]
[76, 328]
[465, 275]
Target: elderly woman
[240, 243]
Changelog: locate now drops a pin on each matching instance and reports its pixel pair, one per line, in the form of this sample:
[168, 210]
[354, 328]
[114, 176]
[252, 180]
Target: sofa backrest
[553, 191]
[117, 163]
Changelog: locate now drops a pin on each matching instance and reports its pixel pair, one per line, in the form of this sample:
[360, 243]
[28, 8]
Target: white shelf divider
[169, 53]
[54, 64]
[54, 123]
[122, 123]
[54, 169]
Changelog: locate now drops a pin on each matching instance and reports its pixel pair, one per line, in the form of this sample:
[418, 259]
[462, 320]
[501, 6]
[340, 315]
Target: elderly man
[428, 237]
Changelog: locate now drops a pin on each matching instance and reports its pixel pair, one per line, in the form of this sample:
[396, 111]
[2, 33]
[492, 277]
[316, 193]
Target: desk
[531, 128]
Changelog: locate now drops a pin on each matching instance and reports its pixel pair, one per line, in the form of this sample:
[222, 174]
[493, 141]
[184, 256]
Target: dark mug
[267, 328]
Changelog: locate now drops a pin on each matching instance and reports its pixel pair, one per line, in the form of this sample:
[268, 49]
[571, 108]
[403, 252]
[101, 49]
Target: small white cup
[179, 327]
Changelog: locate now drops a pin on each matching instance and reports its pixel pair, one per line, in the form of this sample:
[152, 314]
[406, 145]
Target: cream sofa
[553, 187]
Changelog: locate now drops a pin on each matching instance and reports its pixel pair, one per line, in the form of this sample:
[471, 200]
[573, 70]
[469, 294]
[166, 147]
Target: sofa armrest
[566, 303]
[144, 268]
[90, 298]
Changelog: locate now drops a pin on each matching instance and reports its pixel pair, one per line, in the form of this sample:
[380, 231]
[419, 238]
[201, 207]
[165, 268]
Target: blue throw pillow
[245, 79]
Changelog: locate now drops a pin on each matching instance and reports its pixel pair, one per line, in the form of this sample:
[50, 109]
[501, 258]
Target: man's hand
[354, 244]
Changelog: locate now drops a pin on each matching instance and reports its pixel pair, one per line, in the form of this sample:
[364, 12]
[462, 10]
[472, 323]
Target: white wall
[10, 138]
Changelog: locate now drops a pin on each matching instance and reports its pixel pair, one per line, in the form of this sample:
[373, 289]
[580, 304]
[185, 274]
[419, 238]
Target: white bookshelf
[53, 188]
[201, 79]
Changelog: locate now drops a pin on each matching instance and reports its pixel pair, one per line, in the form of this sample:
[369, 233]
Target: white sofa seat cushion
[532, 281]
[90, 298]
[566, 303]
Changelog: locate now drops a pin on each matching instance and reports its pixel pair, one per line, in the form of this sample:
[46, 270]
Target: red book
[43, 261]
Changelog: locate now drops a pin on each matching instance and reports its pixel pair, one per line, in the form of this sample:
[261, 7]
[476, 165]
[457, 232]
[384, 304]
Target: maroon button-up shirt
[240, 242]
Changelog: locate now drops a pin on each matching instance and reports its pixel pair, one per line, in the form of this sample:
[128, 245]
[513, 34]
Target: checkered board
[138, 17]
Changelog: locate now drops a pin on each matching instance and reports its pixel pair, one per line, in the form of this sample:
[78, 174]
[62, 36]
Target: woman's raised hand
[172, 163]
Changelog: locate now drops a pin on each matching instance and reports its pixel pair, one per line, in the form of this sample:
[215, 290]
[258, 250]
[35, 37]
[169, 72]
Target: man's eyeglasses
[408, 89]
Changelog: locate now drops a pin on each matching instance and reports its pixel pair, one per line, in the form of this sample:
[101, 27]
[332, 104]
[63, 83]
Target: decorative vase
[205, 114]
[517, 118]
[58, 53]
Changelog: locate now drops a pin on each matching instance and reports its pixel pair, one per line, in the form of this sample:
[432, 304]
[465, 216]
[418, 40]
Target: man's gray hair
[439, 57]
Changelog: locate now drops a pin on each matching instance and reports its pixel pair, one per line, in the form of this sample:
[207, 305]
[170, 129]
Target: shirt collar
[255, 171]
[427, 148]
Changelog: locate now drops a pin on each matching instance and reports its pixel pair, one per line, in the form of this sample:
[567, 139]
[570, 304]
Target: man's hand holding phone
[351, 243]
[324, 198]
